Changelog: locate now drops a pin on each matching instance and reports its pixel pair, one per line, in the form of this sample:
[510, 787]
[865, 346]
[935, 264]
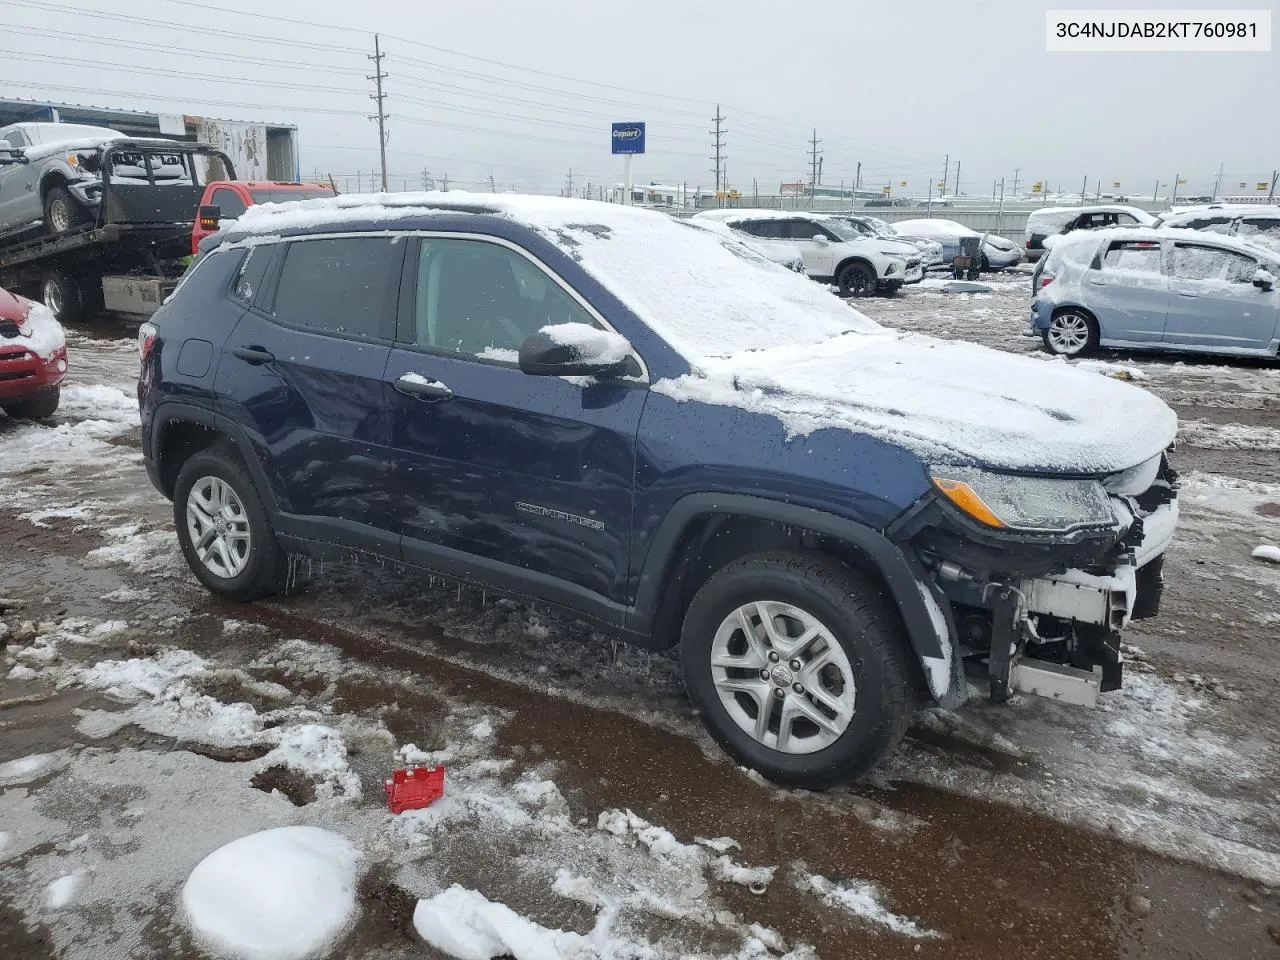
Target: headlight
[1024, 503]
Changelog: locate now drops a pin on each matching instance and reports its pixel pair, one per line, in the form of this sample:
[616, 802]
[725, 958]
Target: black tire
[60, 292]
[856, 280]
[864, 623]
[266, 570]
[38, 406]
[1053, 339]
[62, 212]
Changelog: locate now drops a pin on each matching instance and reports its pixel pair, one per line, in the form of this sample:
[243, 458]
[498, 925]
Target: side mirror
[1265, 284]
[10, 154]
[575, 350]
[819, 238]
[210, 215]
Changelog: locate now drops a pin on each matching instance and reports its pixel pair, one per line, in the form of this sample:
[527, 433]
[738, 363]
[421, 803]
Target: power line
[154, 96]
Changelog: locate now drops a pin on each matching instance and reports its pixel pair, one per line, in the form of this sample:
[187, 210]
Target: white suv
[833, 252]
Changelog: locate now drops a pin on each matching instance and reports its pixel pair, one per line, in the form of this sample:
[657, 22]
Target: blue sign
[628, 138]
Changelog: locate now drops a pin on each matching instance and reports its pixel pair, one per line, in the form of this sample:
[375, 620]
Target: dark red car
[33, 358]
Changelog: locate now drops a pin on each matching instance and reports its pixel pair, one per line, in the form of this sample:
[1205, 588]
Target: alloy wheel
[782, 677]
[1068, 333]
[219, 527]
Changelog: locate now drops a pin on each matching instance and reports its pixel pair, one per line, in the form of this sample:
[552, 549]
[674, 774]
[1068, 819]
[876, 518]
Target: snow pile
[1266, 551]
[950, 402]
[281, 894]
[97, 402]
[319, 752]
[1228, 436]
[465, 924]
[62, 891]
[25, 769]
[591, 343]
[152, 552]
[663, 846]
[863, 900]
[1121, 371]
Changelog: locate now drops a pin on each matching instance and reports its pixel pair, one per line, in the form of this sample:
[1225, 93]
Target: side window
[1250, 226]
[1126, 219]
[1211, 224]
[768, 229]
[482, 300]
[252, 271]
[1131, 255]
[228, 202]
[1191, 262]
[340, 285]
[806, 230]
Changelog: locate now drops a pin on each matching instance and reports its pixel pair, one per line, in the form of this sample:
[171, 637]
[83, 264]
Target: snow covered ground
[179, 776]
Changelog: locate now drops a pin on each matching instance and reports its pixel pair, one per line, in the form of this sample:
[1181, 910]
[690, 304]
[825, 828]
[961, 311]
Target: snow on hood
[934, 227]
[949, 402]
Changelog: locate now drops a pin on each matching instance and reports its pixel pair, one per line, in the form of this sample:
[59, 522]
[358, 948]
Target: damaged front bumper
[1043, 615]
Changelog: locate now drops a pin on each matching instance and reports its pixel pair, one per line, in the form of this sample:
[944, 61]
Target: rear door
[528, 479]
[1127, 292]
[1214, 303]
[302, 377]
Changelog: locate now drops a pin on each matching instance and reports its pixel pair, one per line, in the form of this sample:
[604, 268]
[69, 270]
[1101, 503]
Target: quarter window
[340, 285]
[252, 271]
[1191, 262]
[482, 300]
[1250, 226]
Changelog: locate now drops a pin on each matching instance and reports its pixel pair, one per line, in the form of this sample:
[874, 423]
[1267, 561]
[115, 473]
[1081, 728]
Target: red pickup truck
[233, 197]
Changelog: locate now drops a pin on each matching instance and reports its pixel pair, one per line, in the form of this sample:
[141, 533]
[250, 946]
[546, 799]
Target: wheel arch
[53, 177]
[178, 431]
[859, 259]
[704, 532]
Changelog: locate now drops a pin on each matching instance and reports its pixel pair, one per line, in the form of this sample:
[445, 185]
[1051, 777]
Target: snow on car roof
[747, 214]
[706, 295]
[1220, 209]
[1095, 238]
[1137, 212]
[935, 226]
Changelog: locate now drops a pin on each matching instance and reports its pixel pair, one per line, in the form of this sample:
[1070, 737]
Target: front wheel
[798, 666]
[39, 406]
[61, 211]
[856, 280]
[1071, 333]
[223, 527]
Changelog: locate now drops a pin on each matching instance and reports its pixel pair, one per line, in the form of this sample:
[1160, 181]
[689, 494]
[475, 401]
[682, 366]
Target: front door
[523, 481]
[819, 255]
[302, 376]
[1127, 292]
[1213, 302]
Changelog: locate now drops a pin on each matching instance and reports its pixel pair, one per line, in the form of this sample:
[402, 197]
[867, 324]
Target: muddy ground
[1145, 828]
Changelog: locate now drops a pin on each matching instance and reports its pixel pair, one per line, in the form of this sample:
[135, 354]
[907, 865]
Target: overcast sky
[523, 91]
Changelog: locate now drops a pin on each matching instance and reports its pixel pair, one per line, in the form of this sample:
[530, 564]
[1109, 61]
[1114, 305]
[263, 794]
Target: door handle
[254, 355]
[1188, 294]
[423, 388]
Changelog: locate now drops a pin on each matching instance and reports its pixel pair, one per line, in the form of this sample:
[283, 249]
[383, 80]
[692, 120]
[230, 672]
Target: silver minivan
[1158, 289]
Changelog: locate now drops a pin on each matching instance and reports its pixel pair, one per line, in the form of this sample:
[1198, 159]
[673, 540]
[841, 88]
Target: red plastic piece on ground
[414, 788]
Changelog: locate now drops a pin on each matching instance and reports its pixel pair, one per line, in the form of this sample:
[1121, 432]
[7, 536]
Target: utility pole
[957, 193]
[1016, 171]
[946, 173]
[493, 186]
[445, 185]
[1097, 195]
[718, 143]
[427, 182]
[381, 115]
[1174, 198]
[568, 190]
[814, 156]
[1084, 188]
[1275, 175]
[929, 206]
[1217, 183]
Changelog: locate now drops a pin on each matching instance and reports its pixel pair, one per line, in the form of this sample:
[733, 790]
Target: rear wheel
[856, 280]
[61, 294]
[798, 666]
[1071, 333]
[38, 406]
[223, 527]
[61, 211]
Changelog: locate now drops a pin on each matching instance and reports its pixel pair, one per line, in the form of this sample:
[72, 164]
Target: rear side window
[252, 271]
[807, 230]
[1212, 224]
[1250, 226]
[1130, 255]
[340, 285]
[768, 229]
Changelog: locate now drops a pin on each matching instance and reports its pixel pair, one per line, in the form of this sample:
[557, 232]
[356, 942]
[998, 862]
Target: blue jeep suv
[648, 424]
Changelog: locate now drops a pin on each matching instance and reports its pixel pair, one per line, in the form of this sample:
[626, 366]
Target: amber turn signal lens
[964, 497]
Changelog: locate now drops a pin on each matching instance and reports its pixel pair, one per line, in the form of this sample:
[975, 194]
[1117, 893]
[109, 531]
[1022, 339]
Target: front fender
[925, 612]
